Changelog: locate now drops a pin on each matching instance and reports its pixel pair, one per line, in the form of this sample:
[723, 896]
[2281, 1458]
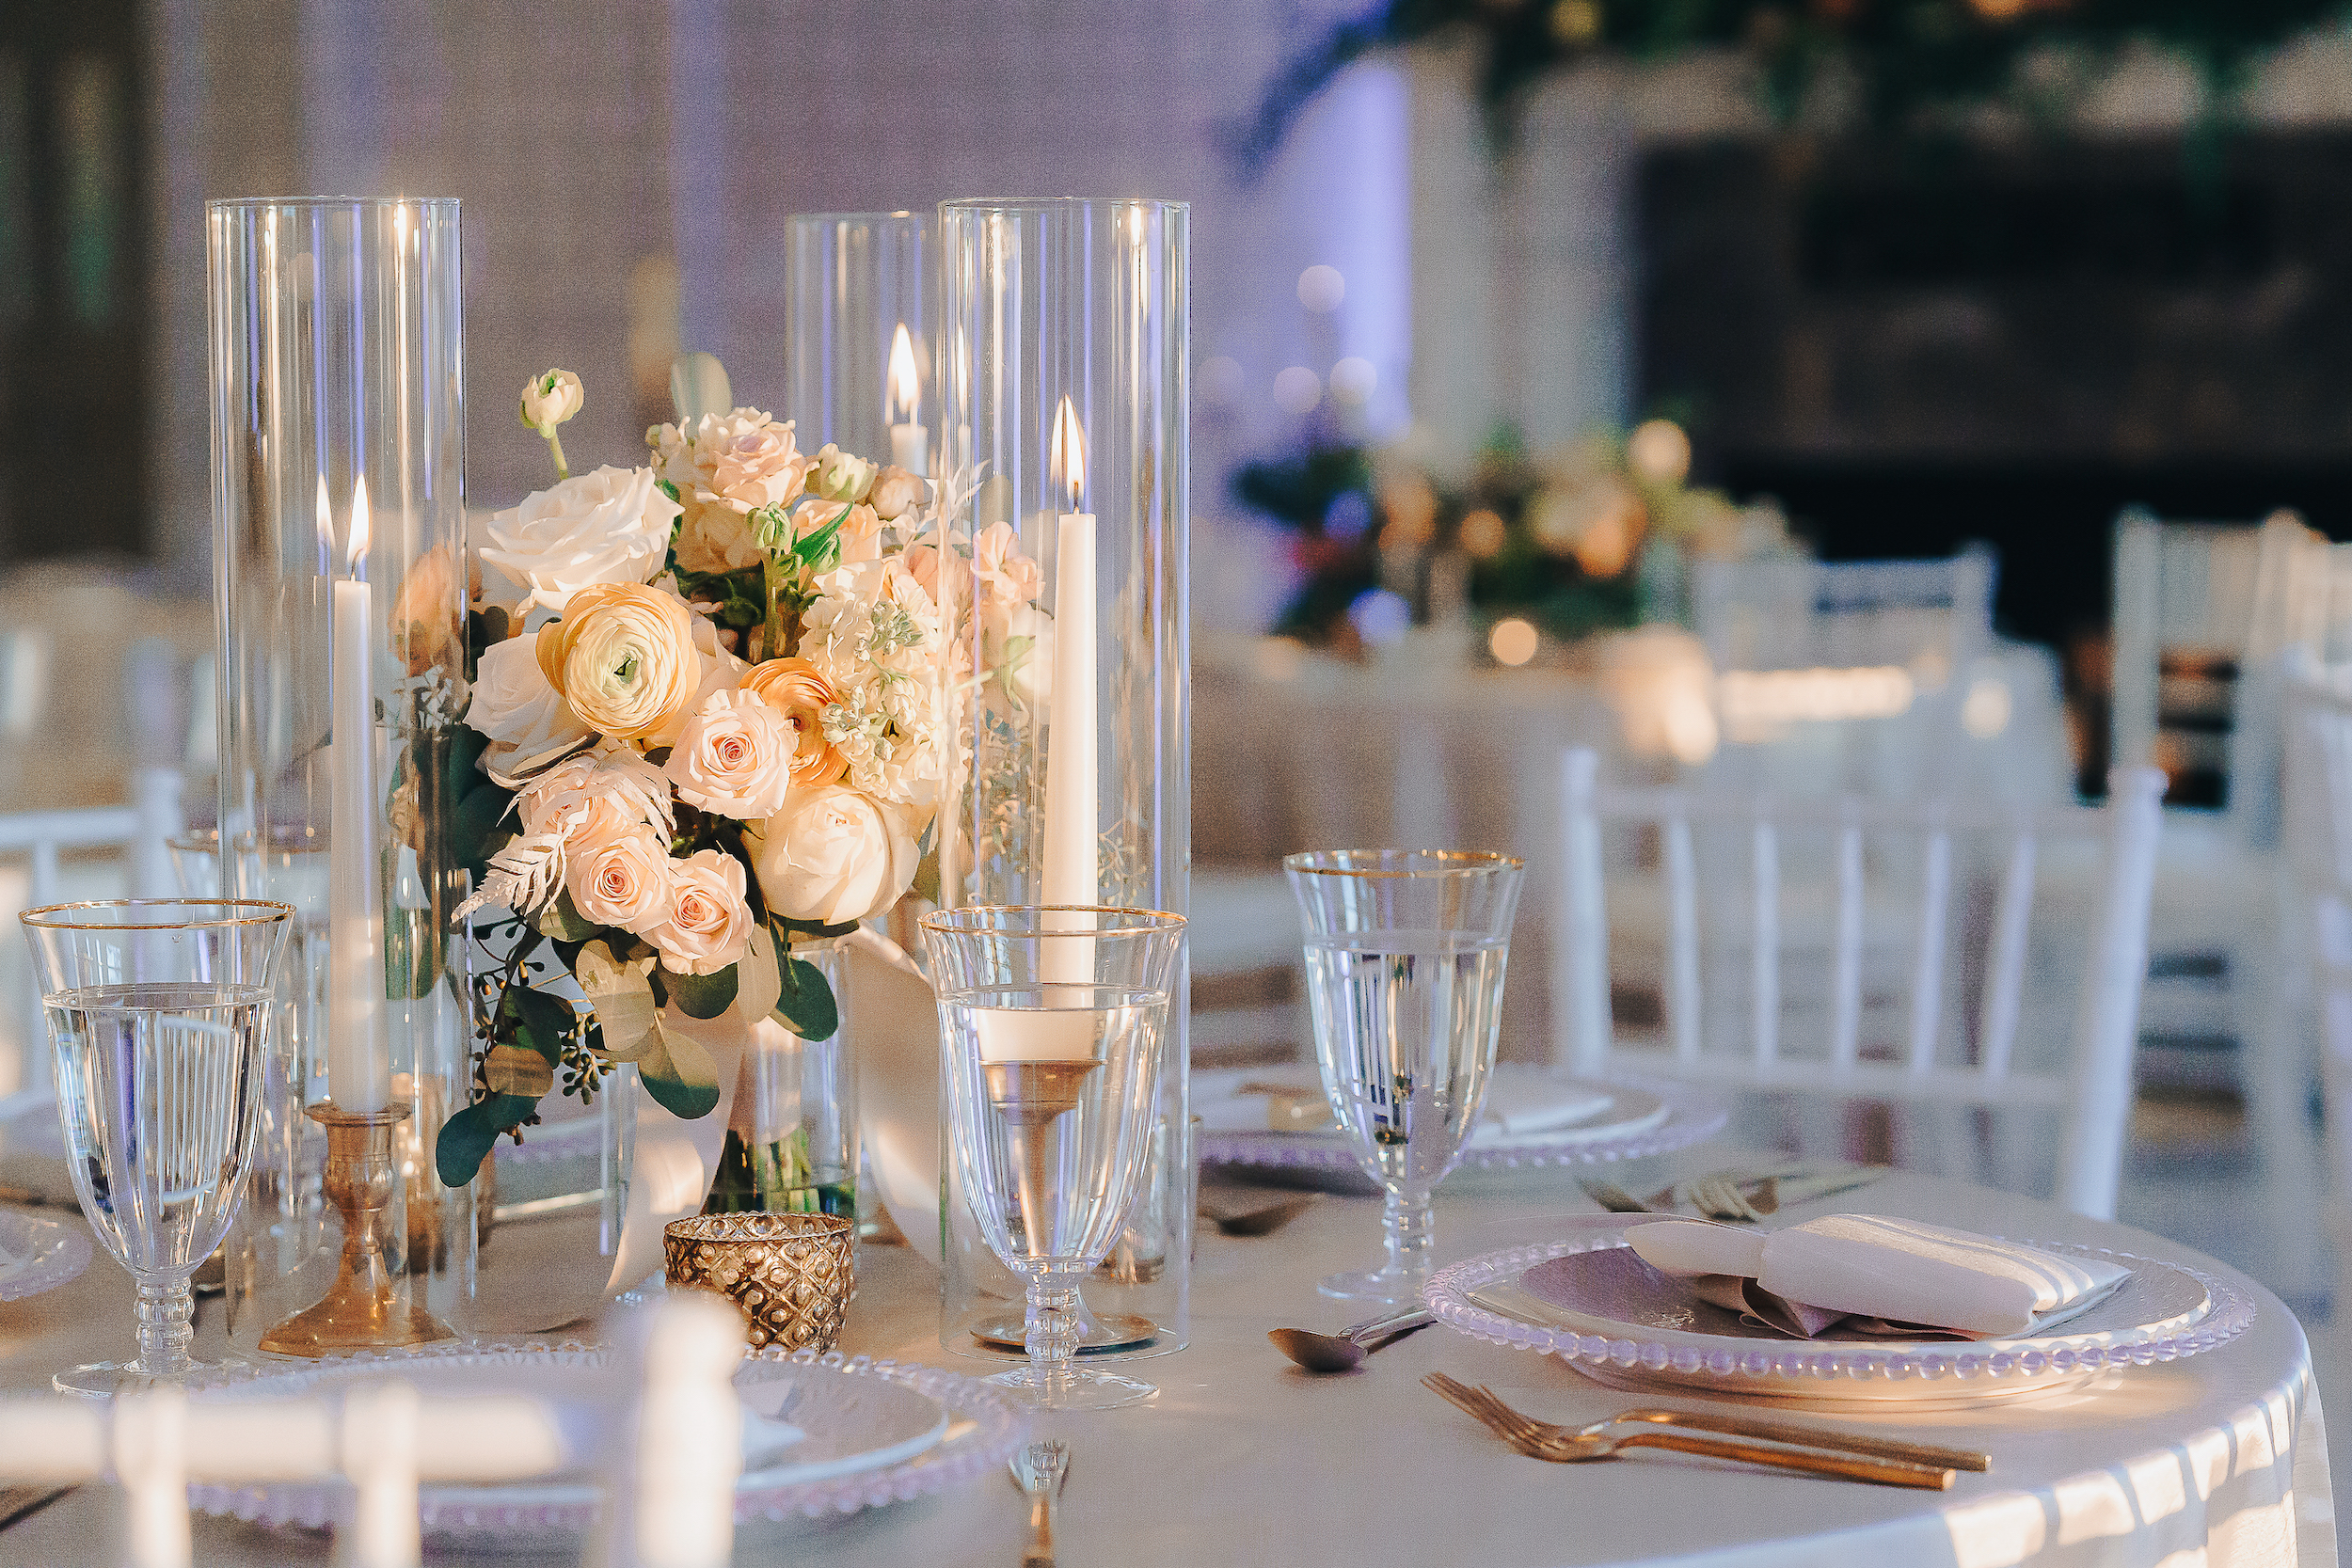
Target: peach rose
[428, 619]
[800, 696]
[734, 756]
[709, 924]
[624, 657]
[622, 880]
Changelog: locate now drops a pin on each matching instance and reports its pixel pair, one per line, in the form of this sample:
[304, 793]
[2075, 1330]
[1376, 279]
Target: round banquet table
[2218, 1461]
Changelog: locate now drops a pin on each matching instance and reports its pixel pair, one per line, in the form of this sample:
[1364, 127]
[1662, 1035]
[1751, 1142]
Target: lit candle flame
[358, 554]
[904, 388]
[1069, 453]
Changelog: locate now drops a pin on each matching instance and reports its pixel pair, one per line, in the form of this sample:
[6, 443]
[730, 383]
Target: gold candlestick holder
[362, 1309]
[1031, 1096]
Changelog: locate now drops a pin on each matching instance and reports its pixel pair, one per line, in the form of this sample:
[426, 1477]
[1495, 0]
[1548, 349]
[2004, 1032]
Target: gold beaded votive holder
[790, 1276]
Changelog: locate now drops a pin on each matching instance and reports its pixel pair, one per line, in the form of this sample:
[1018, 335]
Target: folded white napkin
[1881, 1270]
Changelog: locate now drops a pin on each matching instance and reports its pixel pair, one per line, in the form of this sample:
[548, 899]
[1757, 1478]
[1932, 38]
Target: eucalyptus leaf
[544, 1021]
[702, 995]
[806, 1004]
[467, 1136]
[621, 991]
[678, 1073]
[758, 979]
[515, 1070]
[563, 920]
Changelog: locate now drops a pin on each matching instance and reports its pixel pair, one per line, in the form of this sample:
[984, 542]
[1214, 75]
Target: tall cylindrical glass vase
[1061, 351]
[858, 313]
[338, 421]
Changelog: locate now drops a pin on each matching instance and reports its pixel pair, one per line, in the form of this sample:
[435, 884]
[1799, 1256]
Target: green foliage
[467, 1136]
[1914, 62]
[701, 995]
[806, 1004]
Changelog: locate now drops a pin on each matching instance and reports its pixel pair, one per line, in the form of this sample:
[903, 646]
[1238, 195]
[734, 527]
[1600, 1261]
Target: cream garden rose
[516, 705]
[709, 924]
[609, 526]
[894, 493]
[624, 657]
[800, 696]
[734, 757]
[622, 879]
[832, 855]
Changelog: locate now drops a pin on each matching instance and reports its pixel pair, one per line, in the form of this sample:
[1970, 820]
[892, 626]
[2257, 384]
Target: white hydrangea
[874, 634]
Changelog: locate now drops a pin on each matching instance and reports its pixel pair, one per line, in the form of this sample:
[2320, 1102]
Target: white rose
[516, 705]
[832, 855]
[550, 400]
[734, 756]
[611, 525]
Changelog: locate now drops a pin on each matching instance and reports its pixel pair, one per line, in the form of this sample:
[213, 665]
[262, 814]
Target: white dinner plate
[1589, 1300]
[871, 1433]
[1644, 1116]
[40, 1255]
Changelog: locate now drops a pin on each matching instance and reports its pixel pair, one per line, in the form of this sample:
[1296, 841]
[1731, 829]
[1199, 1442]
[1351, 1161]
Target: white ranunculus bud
[841, 476]
[550, 400]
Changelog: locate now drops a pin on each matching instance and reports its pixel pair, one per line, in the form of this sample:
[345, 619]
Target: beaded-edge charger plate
[1622, 1331]
[1690, 1116]
[47, 1254]
[973, 1433]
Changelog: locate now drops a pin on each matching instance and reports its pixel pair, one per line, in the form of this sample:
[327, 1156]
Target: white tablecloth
[2218, 1461]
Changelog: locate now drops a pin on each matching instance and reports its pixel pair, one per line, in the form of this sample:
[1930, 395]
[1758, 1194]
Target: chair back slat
[1926, 966]
[1582, 952]
[1682, 954]
[2005, 979]
[1969, 1062]
[1764, 982]
[1845, 1030]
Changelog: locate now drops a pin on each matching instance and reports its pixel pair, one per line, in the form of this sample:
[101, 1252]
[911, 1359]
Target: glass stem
[1054, 1329]
[167, 1328]
[1406, 1226]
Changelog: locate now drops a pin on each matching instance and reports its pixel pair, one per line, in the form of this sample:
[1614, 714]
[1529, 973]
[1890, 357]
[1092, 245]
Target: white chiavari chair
[2206, 616]
[669, 1477]
[1945, 1016]
[38, 843]
[1834, 676]
[2315, 839]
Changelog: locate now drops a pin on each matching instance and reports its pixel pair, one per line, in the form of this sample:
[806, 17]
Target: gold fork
[1566, 1446]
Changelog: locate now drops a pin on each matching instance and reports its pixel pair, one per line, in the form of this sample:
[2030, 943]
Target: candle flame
[904, 388]
[357, 555]
[1069, 453]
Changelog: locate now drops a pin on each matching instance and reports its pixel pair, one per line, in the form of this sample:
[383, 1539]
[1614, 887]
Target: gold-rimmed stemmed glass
[158, 1012]
[1052, 1019]
[1405, 953]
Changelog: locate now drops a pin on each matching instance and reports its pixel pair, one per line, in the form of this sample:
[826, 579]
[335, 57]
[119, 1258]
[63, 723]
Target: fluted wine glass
[1406, 952]
[158, 1012]
[1052, 1020]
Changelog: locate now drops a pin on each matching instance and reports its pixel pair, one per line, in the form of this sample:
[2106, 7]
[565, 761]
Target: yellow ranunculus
[624, 657]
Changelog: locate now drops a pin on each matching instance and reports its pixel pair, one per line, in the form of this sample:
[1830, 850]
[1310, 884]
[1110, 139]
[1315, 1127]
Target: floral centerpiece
[1555, 536]
[710, 721]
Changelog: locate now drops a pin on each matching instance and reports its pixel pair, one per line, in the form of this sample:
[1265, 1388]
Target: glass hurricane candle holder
[337, 424]
[857, 349]
[1061, 349]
